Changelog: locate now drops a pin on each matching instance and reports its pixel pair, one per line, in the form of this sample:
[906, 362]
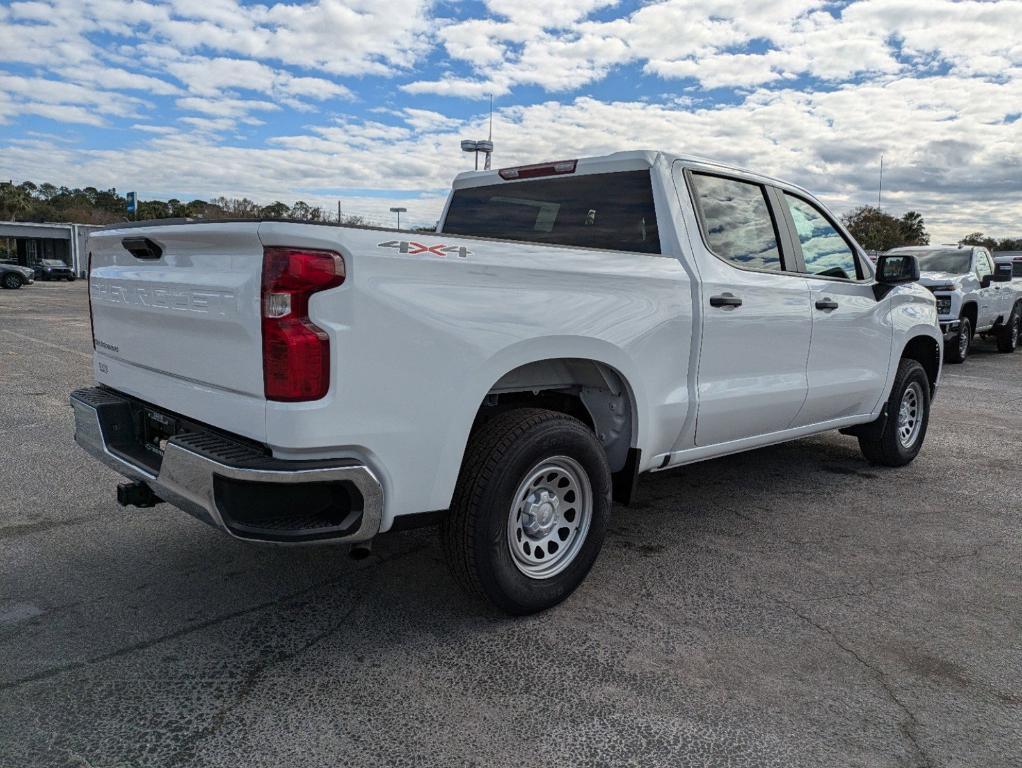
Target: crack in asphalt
[878, 674]
[45, 674]
[186, 751]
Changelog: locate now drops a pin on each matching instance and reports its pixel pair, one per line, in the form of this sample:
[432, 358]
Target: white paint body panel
[418, 340]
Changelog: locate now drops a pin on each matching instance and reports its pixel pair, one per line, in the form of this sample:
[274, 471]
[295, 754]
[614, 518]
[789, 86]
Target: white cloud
[946, 139]
[224, 107]
[817, 91]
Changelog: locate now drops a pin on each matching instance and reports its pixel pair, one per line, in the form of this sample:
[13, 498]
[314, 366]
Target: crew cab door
[852, 332]
[993, 297]
[751, 377]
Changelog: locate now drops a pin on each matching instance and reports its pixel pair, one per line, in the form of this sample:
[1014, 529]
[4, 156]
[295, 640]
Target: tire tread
[484, 454]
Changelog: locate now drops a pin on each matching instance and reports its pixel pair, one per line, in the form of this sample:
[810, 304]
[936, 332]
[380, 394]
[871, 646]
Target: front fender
[913, 314]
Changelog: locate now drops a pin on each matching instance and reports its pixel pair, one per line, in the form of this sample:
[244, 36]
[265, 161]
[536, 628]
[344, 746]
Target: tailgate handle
[142, 247]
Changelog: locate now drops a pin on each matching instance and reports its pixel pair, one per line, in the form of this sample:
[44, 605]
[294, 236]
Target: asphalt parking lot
[791, 606]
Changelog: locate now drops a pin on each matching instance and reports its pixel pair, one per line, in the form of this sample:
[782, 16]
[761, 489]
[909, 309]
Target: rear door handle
[725, 300]
[826, 304]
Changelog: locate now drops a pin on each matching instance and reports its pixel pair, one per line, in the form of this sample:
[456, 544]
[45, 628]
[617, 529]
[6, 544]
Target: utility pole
[338, 211]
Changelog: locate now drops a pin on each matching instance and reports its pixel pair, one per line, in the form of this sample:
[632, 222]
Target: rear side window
[1016, 268]
[604, 210]
[736, 222]
[824, 251]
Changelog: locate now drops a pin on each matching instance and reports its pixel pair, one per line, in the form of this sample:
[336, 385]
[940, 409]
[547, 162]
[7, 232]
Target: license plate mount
[157, 429]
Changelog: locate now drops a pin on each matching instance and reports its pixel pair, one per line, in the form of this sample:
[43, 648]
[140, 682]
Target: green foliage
[879, 231]
[46, 202]
[1004, 244]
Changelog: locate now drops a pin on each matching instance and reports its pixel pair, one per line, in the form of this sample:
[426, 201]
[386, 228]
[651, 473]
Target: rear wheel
[530, 509]
[11, 280]
[908, 415]
[956, 350]
[1007, 336]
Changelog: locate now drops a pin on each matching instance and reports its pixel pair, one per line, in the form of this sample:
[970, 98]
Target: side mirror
[1003, 273]
[897, 268]
[985, 281]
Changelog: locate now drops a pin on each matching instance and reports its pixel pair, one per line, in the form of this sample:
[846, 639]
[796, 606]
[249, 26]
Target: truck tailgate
[181, 329]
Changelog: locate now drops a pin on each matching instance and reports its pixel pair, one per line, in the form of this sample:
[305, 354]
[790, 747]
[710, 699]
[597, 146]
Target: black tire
[501, 456]
[887, 447]
[956, 350]
[1007, 335]
[11, 280]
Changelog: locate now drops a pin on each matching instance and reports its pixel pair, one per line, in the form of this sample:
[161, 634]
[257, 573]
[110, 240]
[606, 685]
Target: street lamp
[398, 211]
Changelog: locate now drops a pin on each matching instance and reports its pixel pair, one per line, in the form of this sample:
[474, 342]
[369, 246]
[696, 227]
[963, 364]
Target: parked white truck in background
[569, 326]
[973, 296]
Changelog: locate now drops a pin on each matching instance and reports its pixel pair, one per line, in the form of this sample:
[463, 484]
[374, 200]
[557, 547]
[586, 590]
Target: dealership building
[28, 243]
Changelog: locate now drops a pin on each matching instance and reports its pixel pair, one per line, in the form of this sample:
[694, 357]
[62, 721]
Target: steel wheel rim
[549, 517]
[963, 341]
[1014, 332]
[910, 415]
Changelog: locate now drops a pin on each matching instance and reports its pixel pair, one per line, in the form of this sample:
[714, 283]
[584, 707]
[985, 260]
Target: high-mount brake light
[540, 169]
[296, 352]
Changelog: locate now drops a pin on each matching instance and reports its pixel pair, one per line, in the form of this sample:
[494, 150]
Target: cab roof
[629, 160]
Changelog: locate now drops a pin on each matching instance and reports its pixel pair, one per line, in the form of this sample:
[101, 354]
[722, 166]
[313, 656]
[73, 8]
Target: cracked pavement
[791, 606]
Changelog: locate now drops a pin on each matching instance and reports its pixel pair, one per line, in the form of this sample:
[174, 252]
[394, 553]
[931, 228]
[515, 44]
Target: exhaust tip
[361, 550]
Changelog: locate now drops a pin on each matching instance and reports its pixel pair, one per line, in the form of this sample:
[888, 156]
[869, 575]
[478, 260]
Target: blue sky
[366, 101]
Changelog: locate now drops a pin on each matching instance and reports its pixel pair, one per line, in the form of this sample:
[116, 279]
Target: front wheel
[908, 415]
[11, 280]
[1007, 336]
[530, 509]
[957, 349]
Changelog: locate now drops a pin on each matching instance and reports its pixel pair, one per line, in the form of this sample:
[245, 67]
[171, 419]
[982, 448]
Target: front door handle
[826, 304]
[725, 300]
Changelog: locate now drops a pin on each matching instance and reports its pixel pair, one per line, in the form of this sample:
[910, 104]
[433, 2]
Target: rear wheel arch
[592, 391]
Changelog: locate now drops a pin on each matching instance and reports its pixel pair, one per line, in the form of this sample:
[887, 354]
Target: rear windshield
[604, 210]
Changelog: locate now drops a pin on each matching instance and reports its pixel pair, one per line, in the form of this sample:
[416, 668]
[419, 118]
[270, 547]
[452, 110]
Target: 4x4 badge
[413, 249]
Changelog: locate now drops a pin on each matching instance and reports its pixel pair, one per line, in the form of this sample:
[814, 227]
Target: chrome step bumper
[196, 464]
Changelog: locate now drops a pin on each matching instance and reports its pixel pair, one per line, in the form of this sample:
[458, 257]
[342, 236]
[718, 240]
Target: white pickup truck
[568, 326]
[974, 295]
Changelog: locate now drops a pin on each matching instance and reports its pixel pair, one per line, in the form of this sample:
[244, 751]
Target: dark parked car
[15, 276]
[53, 269]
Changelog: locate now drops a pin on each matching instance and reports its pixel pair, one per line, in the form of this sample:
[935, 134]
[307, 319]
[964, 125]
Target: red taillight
[88, 295]
[296, 353]
[540, 169]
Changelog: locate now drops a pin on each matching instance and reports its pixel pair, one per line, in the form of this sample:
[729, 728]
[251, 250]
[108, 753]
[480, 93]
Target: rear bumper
[231, 485]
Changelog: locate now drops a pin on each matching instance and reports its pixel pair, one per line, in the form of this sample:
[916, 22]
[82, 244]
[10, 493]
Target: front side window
[983, 266]
[824, 251]
[736, 222]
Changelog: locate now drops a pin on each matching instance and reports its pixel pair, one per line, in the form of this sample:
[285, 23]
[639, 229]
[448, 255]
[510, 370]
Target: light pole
[398, 211]
[486, 147]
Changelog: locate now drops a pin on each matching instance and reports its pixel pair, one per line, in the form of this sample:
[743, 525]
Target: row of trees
[45, 202]
[873, 228]
[1003, 244]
